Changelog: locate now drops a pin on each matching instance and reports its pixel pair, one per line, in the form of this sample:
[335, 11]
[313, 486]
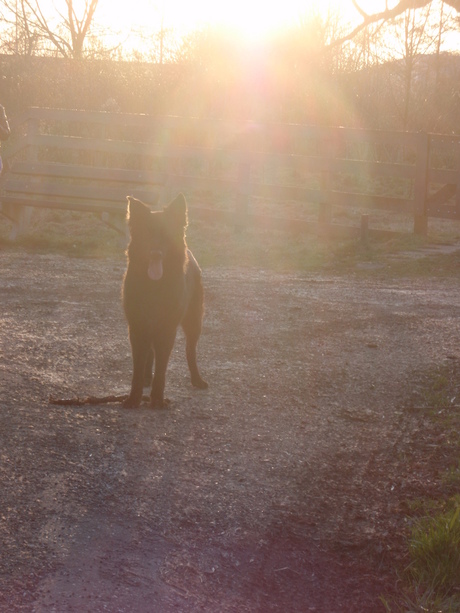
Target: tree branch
[69, 35]
[363, 13]
[389, 13]
[46, 31]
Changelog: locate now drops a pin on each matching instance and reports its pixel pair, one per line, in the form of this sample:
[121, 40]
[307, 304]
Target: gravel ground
[281, 488]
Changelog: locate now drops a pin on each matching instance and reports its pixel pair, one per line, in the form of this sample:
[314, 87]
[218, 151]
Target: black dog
[162, 289]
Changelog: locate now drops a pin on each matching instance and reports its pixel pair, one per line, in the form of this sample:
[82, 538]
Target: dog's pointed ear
[176, 211]
[137, 213]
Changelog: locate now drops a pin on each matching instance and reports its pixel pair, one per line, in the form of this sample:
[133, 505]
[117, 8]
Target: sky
[252, 17]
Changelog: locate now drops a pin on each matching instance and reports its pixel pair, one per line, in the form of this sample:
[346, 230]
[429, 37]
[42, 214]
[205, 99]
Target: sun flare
[253, 19]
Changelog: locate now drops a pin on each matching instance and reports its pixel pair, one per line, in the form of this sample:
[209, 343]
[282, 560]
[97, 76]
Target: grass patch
[434, 549]
[66, 232]
[432, 576]
[423, 602]
[220, 245]
[216, 244]
[452, 476]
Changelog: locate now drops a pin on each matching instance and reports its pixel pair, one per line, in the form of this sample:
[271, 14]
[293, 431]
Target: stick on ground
[91, 400]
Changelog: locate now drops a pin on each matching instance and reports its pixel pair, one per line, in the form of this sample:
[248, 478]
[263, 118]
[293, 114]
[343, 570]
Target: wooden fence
[271, 174]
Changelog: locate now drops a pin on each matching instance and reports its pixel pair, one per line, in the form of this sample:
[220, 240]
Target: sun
[255, 19]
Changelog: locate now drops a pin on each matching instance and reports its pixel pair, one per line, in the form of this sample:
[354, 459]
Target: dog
[162, 290]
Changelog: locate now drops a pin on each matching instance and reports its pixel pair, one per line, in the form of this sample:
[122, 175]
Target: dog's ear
[176, 212]
[138, 212]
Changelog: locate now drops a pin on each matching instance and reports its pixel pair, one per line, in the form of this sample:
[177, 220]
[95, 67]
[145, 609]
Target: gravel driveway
[281, 488]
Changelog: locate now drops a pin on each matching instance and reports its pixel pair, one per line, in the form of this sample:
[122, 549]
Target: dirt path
[281, 488]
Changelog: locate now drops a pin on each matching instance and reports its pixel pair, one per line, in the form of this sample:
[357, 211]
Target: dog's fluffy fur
[162, 289]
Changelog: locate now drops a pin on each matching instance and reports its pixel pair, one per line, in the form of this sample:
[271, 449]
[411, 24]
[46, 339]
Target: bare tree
[416, 42]
[66, 29]
[387, 14]
[410, 41]
[16, 36]
[79, 26]
[444, 26]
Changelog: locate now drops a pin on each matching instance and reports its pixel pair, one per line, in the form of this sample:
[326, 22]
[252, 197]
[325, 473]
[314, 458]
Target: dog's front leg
[140, 348]
[162, 349]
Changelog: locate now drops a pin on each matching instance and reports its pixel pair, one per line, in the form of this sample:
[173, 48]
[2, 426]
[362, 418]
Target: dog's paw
[156, 403]
[200, 383]
[131, 403]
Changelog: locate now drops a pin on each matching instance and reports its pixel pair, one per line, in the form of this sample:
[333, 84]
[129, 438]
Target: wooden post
[20, 215]
[171, 185]
[457, 168]
[364, 227]
[421, 184]
[325, 206]
[166, 189]
[242, 203]
[32, 131]
[32, 156]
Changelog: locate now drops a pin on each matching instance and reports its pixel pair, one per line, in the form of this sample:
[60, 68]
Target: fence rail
[90, 161]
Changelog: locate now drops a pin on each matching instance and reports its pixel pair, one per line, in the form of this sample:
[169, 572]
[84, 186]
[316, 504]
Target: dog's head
[157, 243]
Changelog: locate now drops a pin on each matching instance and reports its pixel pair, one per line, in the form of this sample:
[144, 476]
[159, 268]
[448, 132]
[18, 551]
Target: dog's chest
[159, 304]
